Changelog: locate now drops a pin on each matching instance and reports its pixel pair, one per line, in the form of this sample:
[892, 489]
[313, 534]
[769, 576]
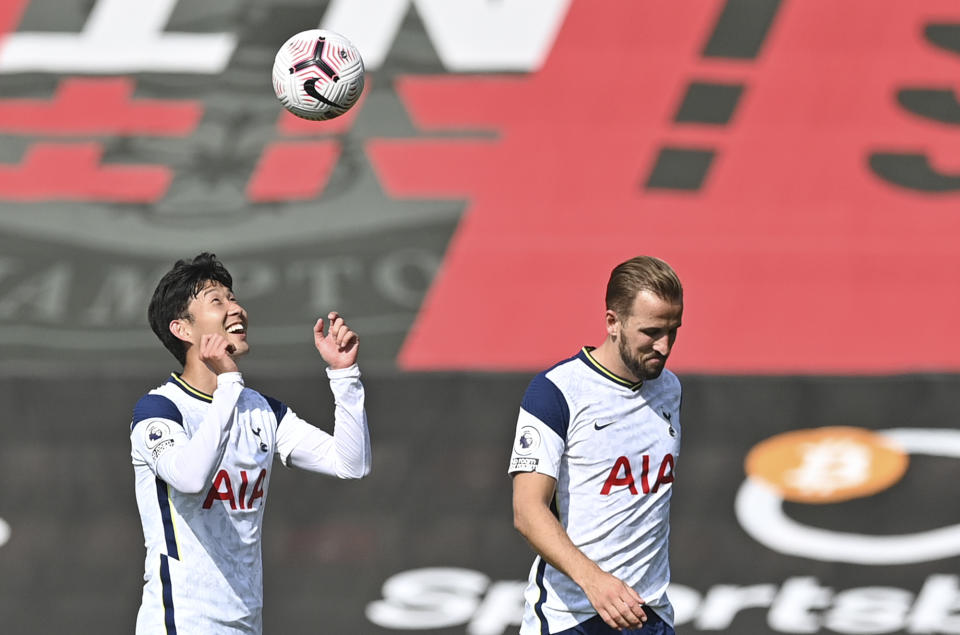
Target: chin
[654, 373]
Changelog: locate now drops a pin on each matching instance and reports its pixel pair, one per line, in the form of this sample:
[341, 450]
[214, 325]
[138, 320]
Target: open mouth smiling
[237, 328]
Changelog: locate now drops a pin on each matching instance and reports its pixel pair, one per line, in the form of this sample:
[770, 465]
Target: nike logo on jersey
[597, 426]
[666, 415]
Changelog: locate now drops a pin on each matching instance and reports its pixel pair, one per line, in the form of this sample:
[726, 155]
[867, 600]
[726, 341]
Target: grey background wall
[439, 498]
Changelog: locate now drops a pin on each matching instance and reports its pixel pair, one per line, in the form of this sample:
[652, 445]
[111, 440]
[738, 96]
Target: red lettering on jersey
[222, 481]
[257, 489]
[222, 478]
[243, 487]
[644, 471]
[614, 479]
[663, 476]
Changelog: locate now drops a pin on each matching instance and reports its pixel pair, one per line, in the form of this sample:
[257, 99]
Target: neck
[608, 355]
[198, 375]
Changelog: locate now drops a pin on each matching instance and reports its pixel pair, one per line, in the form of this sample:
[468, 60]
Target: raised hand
[217, 353]
[618, 604]
[340, 345]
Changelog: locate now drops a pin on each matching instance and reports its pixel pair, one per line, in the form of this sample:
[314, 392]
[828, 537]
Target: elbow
[185, 481]
[353, 473]
[527, 517]
[190, 486]
[520, 522]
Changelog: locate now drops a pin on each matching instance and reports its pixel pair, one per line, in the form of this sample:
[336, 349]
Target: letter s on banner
[759, 509]
[436, 597]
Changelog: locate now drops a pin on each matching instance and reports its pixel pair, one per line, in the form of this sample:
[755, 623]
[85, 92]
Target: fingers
[624, 614]
[339, 333]
[637, 616]
[216, 351]
[213, 345]
[619, 605]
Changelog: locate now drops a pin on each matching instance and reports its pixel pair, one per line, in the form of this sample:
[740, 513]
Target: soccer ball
[318, 74]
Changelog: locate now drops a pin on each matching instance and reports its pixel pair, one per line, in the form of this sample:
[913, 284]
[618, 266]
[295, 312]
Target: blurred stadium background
[797, 161]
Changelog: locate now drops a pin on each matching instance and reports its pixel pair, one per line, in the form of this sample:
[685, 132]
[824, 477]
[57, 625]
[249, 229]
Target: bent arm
[185, 464]
[618, 604]
[346, 453]
[532, 493]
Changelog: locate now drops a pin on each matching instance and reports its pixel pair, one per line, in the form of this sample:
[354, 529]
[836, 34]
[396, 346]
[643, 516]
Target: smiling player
[203, 447]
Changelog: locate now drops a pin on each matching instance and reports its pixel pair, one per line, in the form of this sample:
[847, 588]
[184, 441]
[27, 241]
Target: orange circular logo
[827, 465]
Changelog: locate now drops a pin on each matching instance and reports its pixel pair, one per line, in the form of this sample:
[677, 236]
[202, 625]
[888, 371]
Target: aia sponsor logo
[223, 489]
[621, 475]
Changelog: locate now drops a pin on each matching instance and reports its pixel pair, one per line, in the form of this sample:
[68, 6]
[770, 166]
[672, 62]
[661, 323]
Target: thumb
[318, 327]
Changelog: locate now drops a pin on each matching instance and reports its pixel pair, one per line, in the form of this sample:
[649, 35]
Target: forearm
[346, 453]
[351, 433]
[549, 539]
[617, 604]
[189, 467]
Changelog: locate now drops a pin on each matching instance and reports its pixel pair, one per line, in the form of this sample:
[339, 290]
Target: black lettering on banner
[931, 103]
[680, 169]
[946, 36]
[709, 102]
[913, 170]
[740, 31]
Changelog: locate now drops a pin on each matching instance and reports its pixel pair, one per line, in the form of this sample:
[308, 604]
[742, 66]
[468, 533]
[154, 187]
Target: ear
[180, 329]
[613, 323]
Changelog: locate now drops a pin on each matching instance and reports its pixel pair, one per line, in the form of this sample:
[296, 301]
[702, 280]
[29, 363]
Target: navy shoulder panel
[279, 408]
[155, 406]
[545, 402]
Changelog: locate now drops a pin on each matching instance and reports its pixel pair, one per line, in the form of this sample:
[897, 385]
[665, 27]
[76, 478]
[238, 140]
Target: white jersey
[203, 569]
[612, 446]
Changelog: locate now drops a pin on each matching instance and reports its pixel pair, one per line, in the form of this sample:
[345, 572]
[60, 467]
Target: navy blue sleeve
[155, 406]
[279, 408]
[545, 402]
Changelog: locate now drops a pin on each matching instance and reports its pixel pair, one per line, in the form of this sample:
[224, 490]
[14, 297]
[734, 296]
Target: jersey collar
[597, 366]
[187, 388]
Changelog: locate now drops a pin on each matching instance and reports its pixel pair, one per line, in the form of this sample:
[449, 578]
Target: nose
[662, 345]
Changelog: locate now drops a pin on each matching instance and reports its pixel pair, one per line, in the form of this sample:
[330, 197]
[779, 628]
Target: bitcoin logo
[826, 465]
[831, 465]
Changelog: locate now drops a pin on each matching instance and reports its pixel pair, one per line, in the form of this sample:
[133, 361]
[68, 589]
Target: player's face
[215, 310]
[645, 337]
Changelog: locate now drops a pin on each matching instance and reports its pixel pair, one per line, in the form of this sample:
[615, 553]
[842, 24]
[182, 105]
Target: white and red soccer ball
[318, 74]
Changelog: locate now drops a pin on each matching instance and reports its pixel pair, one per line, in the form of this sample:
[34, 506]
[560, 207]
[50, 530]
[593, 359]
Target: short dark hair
[643, 273]
[175, 291]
